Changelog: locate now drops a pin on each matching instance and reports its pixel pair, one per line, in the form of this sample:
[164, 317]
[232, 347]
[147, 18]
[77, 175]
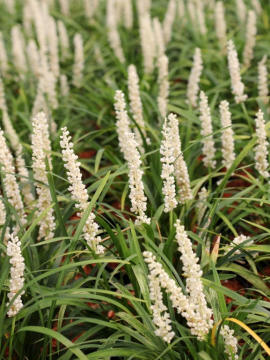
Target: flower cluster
[193, 307]
[234, 68]
[239, 240]
[194, 287]
[261, 151]
[241, 10]
[230, 342]
[169, 20]
[220, 24]
[129, 148]
[163, 85]
[41, 148]
[263, 80]
[79, 61]
[147, 42]
[16, 281]
[194, 78]
[251, 32]
[161, 317]
[9, 180]
[159, 37]
[207, 132]
[227, 134]
[63, 39]
[113, 35]
[180, 166]
[79, 192]
[136, 104]
[167, 174]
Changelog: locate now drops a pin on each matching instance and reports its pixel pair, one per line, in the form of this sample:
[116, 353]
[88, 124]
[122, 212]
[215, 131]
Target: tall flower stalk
[79, 192]
[41, 148]
[129, 148]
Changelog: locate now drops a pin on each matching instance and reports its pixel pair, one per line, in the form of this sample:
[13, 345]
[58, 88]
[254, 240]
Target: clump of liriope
[227, 135]
[79, 192]
[173, 165]
[41, 148]
[207, 133]
[261, 151]
[194, 78]
[234, 68]
[129, 148]
[16, 281]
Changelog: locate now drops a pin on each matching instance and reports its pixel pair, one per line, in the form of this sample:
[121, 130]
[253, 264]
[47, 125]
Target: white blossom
[207, 133]
[3, 56]
[3, 213]
[194, 287]
[263, 80]
[159, 37]
[194, 78]
[128, 147]
[18, 47]
[163, 81]
[227, 135]
[33, 57]
[41, 149]
[167, 174]
[64, 87]
[112, 31]
[147, 42]
[136, 104]
[9, 180]
[261, 151]
[16, 281]
[201, 205]
[79, 193]
[53, 46]
[78, 60]
[161, 317]
[64, 6]
[230, 342]
[63, 39]
[180, 167]
[241, 10]
[257, 6]
[199, 323]
[181, 9]
[200, 16]
[98, 55]
[239, 240]
[234, 68]
[24, 177]
[128, 14]
[251, 31]
[90, 7]
[169, 20]
[220, 24]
